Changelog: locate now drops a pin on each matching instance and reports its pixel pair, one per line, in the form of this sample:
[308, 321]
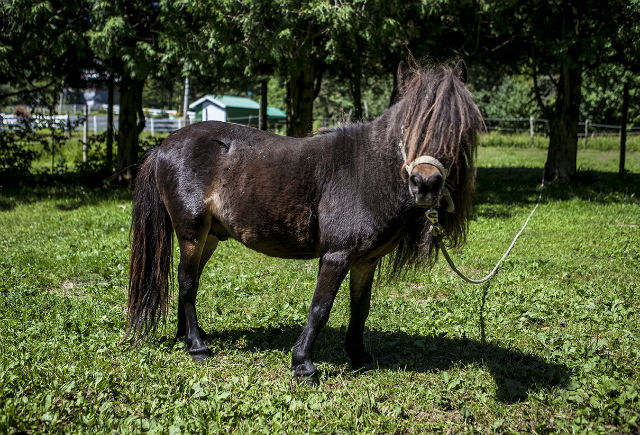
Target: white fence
[95, 124]
[78, 109]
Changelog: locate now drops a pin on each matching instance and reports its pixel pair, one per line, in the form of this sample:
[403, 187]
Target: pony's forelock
[438, 114]
[440, 118]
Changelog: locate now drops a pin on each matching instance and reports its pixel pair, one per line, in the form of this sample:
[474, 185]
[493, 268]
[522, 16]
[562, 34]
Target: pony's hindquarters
[151, 249]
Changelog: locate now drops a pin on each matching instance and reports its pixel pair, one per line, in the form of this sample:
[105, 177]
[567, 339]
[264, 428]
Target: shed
[240, 110]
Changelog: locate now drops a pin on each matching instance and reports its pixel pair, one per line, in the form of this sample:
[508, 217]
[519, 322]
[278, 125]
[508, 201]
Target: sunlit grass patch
[551, 345]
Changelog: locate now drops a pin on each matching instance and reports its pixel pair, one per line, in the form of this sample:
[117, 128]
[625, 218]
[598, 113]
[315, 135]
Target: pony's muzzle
[426, 189]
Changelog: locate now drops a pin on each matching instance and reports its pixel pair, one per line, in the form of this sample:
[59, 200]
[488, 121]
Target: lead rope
[437, 230]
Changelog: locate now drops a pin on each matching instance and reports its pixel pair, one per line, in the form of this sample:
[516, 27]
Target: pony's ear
[402, 77]
[461, 71]
[403, 74]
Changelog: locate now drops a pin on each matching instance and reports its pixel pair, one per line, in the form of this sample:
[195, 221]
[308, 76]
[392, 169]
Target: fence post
[179, 123]
[153, 127]
[85, 133]
[623, 127]
[531, 131]
[95, 125]
[586, 132]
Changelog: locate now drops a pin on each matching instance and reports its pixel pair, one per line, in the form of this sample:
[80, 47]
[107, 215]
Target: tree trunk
[563, 128]
[356, 93]
[356, 83]
[128, 132]
[262, 114]
[623, 127]
[110, 89]
[301, 90]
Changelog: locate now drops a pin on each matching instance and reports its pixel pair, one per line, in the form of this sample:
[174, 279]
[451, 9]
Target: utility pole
[185, 111]
[85, 133]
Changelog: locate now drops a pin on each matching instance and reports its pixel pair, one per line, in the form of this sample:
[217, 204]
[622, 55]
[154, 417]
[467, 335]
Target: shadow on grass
[7, 205]
[504, 187]
[515, 373]
[66, 197]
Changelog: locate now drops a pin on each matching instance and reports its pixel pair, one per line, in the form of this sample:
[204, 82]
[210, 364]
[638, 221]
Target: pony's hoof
[200, 357]
[311, 380]
[306, 374]
[361, 359]
[199, 353]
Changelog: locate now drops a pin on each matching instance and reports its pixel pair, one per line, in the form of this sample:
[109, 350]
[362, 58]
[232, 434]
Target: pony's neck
[380, 163]
[385, 134]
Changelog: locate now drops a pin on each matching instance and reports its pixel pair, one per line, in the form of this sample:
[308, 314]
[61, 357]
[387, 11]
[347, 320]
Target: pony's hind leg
[192, 248]
[209, 247]
[360, 281]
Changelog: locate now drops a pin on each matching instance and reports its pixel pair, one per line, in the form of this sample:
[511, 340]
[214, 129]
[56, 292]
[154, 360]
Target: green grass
[551, 345]
[523, 140]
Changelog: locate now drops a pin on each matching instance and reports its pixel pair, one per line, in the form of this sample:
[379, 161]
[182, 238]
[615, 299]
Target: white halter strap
[429, 160]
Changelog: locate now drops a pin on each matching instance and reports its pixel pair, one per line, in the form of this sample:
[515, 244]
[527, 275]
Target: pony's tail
[151, 256]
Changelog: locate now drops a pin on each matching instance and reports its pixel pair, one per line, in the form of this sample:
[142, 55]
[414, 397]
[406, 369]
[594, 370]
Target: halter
[429, 160]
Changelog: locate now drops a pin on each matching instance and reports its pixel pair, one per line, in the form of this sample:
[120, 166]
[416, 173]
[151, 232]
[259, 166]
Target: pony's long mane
[440, 118]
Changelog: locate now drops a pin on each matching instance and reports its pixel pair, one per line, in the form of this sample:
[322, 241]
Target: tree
[558, 42]
[357, 30]
[300, 54]
[508, 97]
[245, 42]
[42, 48]
[125, 35]
[603, 89]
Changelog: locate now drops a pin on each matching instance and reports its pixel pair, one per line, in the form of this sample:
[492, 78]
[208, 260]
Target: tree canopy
[570, 58]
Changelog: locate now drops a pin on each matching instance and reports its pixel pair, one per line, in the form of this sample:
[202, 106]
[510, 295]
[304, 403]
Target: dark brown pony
[343, 196]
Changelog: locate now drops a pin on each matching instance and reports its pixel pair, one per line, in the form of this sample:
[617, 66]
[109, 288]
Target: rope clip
[432, 216]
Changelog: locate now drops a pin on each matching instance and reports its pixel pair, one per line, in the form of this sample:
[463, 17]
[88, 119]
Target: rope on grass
[436, 229]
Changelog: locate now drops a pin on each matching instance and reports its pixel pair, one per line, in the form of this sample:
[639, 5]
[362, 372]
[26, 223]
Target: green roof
[272, 112]
[242, 103]
[230, 101]
[237, 102]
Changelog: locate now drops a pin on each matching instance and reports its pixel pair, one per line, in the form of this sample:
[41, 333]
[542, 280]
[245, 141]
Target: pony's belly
[270, 238]
[277, 230]
[280, 247]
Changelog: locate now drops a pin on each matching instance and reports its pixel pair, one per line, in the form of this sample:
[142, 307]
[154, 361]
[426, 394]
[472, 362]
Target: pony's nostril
[433, 182]
[424, 186]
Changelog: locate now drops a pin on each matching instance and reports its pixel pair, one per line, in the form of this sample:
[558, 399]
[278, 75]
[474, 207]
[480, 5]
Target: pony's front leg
[360, 281]
[333, 269]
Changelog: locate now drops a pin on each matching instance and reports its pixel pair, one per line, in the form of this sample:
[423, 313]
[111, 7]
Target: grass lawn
[551, 345]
